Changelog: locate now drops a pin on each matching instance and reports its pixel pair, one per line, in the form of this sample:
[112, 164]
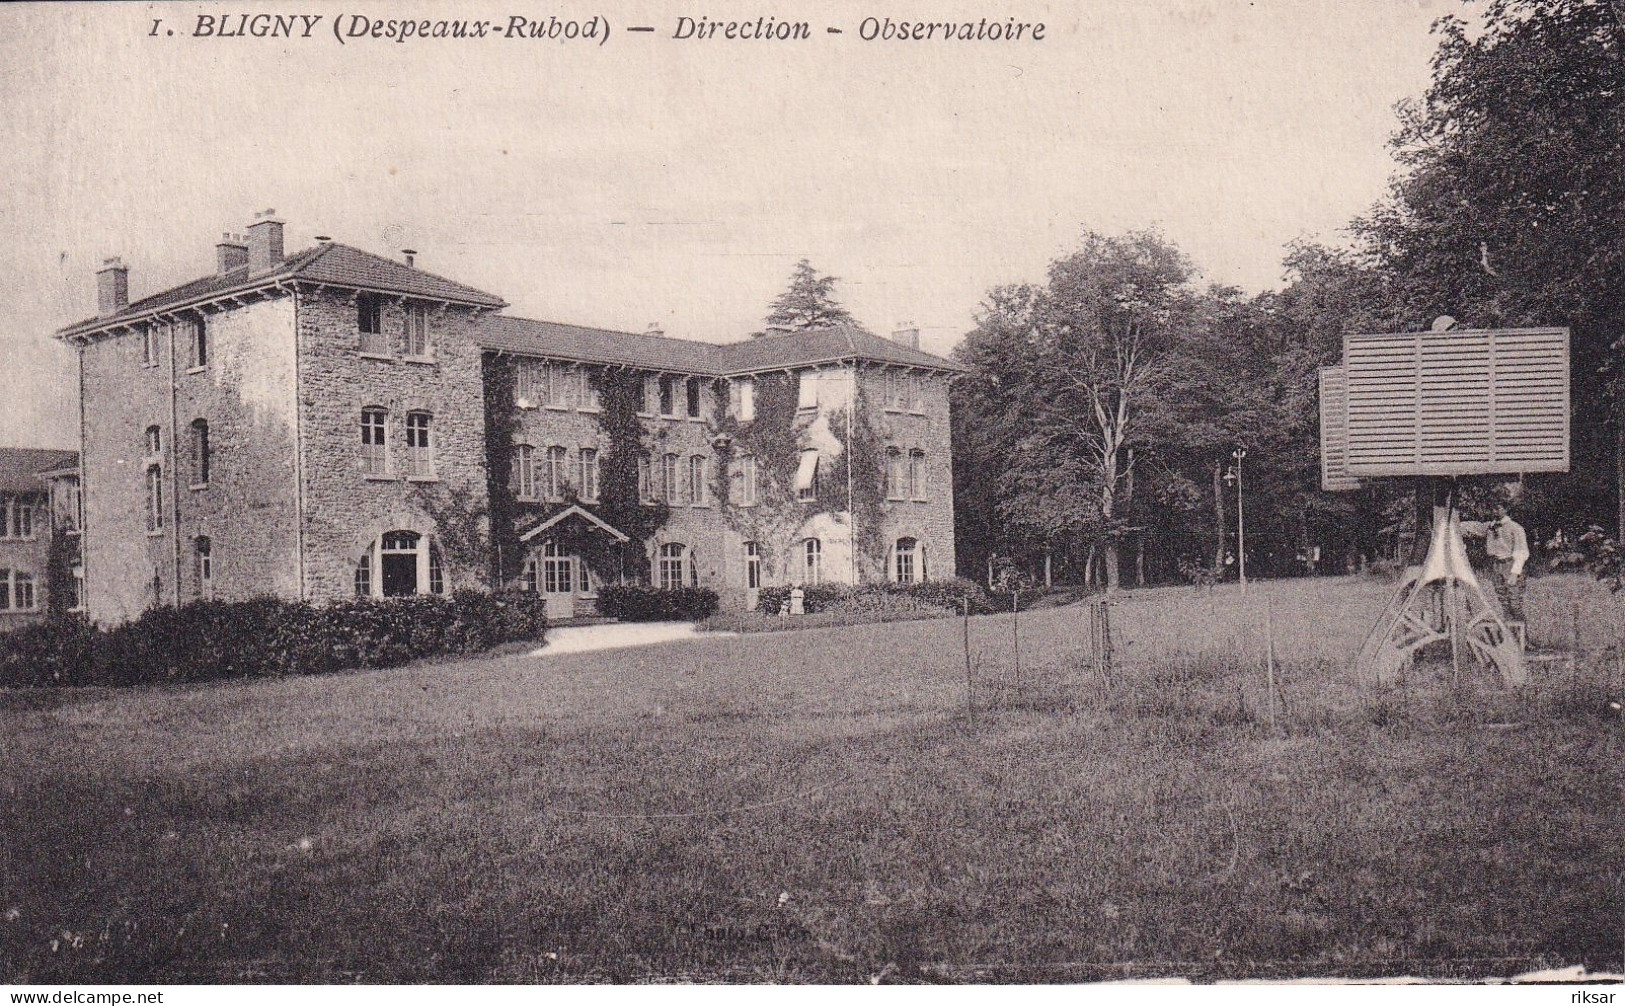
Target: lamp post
[1241, 520]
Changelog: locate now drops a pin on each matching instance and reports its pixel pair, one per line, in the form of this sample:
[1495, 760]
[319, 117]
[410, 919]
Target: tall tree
[809, 302]
[1063, 372]
[1107, 322]
[1511, 208]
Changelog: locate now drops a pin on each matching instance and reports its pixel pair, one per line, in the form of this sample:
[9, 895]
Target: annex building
[334, 423]
[40, 570]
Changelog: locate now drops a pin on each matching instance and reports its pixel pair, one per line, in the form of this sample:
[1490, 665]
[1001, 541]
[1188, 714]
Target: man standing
[1508, 548]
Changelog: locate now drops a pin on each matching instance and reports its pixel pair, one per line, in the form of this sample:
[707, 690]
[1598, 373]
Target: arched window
[896, 486]
[905, 567]
[154, 442]
[673, 562]
[200, 452]
[813, 562]
[374, 441]
[399, 564]
[203, 560]
[419, 446]
[916, 474]
[523, 475]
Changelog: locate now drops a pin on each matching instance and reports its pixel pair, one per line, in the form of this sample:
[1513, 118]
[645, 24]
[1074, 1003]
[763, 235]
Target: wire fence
[1279, 654]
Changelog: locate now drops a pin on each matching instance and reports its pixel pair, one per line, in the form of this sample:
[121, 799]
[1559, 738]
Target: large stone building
[335, 423]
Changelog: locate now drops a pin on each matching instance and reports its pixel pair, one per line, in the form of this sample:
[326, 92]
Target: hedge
[265, 637]
[817, 597]
[637, 603]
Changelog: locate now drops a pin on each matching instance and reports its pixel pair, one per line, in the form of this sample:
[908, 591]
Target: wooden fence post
[970, 695]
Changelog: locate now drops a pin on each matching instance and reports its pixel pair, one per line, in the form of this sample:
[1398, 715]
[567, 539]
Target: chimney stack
[231, 253]
[411, 257]
[907, 334]
[654, 329]
[112, 287]
[264, 243]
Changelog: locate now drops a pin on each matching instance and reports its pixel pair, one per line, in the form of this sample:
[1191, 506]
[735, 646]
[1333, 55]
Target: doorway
[398, 564]
[558, 581]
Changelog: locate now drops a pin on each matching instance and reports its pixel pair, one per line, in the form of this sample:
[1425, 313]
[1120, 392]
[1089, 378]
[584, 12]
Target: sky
[654, 179]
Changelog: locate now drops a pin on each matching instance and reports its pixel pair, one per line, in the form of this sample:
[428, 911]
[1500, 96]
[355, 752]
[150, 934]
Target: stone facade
[714, 530]
[329, 439]
[144, 389]
[346, 509]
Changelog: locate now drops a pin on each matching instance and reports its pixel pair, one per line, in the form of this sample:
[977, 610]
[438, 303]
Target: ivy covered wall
[621, 439]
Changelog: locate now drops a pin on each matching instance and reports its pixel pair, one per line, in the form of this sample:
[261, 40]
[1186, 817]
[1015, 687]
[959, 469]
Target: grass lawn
[818, 805]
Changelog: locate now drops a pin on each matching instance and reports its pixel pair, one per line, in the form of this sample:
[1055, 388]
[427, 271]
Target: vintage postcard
[856, 493]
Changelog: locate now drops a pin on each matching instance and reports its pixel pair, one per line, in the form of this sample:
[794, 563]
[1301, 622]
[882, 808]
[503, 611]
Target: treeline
[1097, 433]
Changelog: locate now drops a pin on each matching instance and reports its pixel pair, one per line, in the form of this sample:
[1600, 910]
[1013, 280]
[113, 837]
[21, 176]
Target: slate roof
[598, 345]
[20, 467]
[344, 266]
[686, 356]
[337, 264]
[823, 345]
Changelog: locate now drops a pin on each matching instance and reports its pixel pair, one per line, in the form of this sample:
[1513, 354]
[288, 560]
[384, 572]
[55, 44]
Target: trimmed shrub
[637, 603]
[820, 597]
[950, 594]
[52, 652]
[816, 597]
[264, 637]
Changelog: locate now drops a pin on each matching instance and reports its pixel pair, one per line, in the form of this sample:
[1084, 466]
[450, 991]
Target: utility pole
[1241, 521]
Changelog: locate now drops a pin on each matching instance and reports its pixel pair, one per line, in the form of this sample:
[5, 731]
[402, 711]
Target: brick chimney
[112, 288]
[231, 253]
[410, 257]
[654, 329]
[264, 243]
[907, 334]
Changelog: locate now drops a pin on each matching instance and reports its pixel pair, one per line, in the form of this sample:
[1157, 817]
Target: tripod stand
[1442, 600]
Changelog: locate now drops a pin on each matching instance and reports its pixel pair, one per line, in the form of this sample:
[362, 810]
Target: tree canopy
[1112, 397]
[809, 302]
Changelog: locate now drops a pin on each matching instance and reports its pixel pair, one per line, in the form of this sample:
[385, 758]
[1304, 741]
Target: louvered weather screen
[1334, 472]
[1457, 402]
